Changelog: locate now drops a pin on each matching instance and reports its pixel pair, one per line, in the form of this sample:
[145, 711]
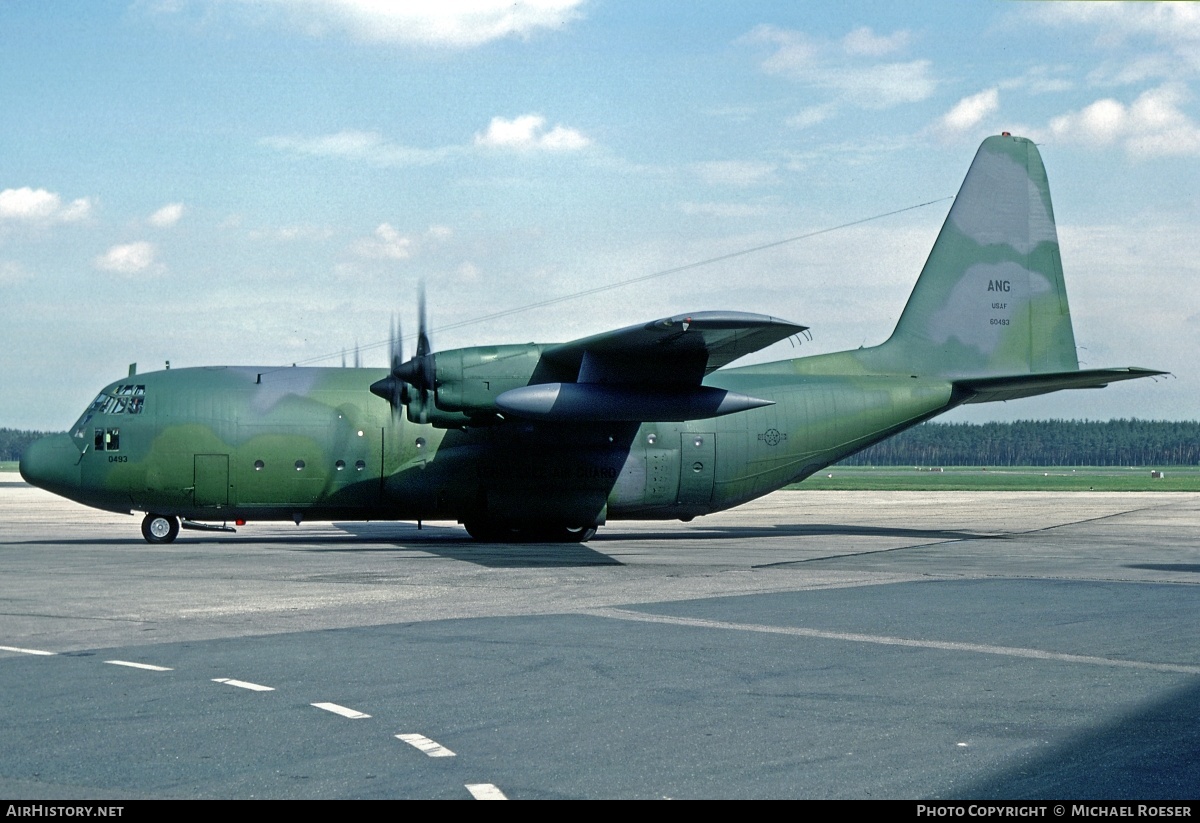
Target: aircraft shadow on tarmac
[1166, 567]
[453, 543]
[1148, 753]
[803, 530]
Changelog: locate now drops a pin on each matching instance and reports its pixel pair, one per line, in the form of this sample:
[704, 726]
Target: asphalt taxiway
[811, 644]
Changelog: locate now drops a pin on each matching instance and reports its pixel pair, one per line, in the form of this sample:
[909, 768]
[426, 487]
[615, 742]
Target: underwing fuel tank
[599, 402]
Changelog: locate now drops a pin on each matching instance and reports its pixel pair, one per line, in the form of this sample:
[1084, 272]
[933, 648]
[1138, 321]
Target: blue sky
[259, 181]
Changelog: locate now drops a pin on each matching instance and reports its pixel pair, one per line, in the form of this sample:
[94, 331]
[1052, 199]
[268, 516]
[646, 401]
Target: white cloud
[1129, 33]
[529, 132]
[811, 116]
[724, 210]
[129, 258]
[468, 272]
[357, 145]
[1041, 80]
[1152, 126]
[41, 206]
[450, 23]
[290, 234]
[970, 111]
[864, 41]
[167, 216]
[12, 273]
[742, 173]
[1169, 22]
[386, 243]
[850, 68]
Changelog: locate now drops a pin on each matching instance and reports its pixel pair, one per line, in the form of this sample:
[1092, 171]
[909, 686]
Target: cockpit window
[125, 399]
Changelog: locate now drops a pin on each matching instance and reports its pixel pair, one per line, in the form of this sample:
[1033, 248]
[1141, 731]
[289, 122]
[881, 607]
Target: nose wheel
[160, 528]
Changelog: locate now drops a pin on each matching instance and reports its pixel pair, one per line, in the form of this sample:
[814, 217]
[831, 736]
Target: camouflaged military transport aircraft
[547, 442]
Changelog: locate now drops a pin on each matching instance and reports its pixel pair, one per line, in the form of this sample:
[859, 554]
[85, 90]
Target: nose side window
[108, 440]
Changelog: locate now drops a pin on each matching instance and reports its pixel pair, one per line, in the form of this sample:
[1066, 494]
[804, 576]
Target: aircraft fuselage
[221, 444]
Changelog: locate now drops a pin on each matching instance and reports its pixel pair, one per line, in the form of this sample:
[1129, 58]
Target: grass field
[1013, 478]
[8, 465]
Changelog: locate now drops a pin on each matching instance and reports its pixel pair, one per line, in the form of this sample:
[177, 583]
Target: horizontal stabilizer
[601, 402]
[988, 389]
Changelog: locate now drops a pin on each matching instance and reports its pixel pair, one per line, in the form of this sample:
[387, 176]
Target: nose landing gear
[160, 528]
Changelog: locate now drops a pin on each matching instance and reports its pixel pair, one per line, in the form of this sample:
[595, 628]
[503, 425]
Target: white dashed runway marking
[19, 650]
[242, 684]
[342, 710]
[145, 666]
[420, 741]
[485, 791]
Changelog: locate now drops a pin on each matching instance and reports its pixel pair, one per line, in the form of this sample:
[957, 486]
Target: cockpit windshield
[125, 398]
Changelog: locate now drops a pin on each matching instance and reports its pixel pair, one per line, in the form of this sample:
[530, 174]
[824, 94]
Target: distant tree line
[13, 442]
[1039, 443]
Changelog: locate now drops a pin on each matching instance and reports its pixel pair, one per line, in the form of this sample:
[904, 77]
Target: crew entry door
[697, 466]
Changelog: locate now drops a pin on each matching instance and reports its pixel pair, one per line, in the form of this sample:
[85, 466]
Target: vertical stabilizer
[991, 298]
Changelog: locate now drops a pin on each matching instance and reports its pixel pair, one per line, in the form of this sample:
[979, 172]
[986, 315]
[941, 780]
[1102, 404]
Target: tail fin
[991, 299]
[989, 312]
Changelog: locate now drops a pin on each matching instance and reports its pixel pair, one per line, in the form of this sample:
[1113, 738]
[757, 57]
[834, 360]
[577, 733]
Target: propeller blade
[422, 332]
[411, 381]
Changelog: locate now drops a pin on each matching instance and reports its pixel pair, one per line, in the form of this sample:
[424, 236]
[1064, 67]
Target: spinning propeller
[411, 382]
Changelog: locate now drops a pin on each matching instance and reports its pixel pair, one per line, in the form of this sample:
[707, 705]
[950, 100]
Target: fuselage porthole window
[299, 465]
[359, 465]
[258, 465]
[341, 464]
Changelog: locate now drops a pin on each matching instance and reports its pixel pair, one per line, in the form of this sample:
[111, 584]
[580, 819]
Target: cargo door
[697, 466]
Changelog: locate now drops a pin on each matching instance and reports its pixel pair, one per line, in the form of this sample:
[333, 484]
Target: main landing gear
[160, 528]
[484, 531]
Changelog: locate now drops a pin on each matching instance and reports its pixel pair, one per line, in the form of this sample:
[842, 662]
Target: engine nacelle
[469, 380]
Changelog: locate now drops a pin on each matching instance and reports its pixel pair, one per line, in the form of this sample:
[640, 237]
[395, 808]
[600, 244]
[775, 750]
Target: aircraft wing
[647, 372]
[679, 349]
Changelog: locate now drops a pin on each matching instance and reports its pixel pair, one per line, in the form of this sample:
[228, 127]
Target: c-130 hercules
[547, 442]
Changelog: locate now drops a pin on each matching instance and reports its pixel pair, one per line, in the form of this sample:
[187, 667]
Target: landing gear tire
[483, 531]
[160, 528]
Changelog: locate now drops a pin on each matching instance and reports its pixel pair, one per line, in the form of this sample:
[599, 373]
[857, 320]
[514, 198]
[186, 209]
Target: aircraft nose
[52, 463]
